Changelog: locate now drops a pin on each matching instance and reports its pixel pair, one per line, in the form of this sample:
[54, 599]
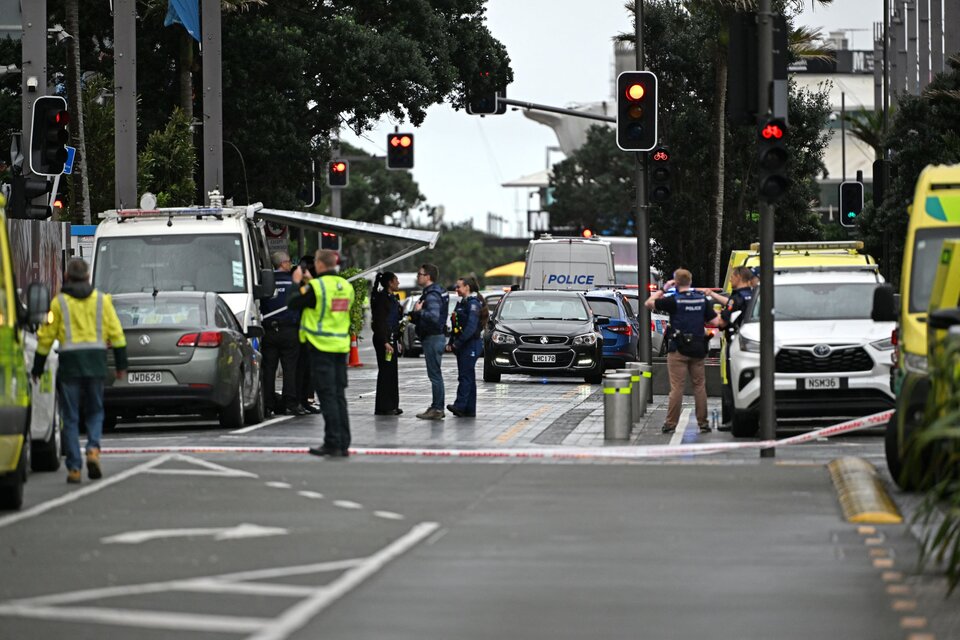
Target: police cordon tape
[566, 453]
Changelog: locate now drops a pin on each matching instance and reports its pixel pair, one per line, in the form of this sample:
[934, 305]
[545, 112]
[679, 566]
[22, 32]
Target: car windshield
[170, 263]
[926, 258]
[542, 308]
[604, 307]
[821, 301]
[153, 312]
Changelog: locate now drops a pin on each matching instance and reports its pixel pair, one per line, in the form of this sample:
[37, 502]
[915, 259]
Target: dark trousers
[467, 356]
[281, 346]
[388, 395]
[330, 380]
[305, 384]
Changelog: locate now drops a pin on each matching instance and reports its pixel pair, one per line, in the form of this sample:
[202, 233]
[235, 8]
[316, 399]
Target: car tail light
[652, 287]
[895, 337]
[209, 339]
[188, 340]
[625, 329]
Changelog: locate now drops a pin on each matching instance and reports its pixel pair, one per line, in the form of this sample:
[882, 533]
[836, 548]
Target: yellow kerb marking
[520, 425]
[883, 563]
[921, 636]
[866, 531]
[913, 622]
[873, 541]
[898, 589]
[891, 576]
[904, 605]
[879, 553]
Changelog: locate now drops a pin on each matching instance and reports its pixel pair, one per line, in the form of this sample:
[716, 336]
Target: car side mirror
[267, 285]
[38, 304]
[254, 331]
[884, 304]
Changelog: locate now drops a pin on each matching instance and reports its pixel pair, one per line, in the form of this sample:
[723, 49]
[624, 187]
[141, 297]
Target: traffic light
[482, 95]
[772, 159]
[330, 240]
[22, 192]
[338, 173]
[637, 111]
[851, 203]
[48, 135]
[587, 233]
[660, 175]
[400, 151]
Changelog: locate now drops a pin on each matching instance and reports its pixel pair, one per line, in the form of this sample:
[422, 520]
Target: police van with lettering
[576, 264]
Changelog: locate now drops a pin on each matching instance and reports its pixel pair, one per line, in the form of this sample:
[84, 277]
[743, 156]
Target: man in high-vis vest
[86, 324]
[325, 303]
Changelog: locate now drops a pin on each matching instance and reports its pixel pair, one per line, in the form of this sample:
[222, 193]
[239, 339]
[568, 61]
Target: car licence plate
[821, 383]
[144, 377]
[544, 357]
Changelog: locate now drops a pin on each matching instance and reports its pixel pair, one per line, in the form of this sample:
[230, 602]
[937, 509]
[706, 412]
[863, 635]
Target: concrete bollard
[637, 405]
[616, 406]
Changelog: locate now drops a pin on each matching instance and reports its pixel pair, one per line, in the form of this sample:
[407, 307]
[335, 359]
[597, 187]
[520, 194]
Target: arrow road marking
[244, 530]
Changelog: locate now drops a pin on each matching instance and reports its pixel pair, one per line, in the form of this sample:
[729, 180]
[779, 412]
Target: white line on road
[278, 485]
[681, 427]
[237, 532]
[388, 515]
[347, 504]
[141, 618]
[265, 423]
[310, 494]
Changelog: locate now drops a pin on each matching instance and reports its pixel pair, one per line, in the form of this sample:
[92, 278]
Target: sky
[561, 52]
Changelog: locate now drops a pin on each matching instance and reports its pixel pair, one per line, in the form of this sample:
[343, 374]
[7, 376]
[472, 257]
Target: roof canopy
[509, 270]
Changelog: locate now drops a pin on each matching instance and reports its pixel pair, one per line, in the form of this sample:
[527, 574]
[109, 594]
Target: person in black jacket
[281, 345]
[430, 317]
[386, 312]
[468, 320]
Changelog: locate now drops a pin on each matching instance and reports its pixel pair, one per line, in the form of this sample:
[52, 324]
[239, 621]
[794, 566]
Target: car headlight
[883, 345]
[746, 344]
[587, 338]
[915, 363]
[499, 337]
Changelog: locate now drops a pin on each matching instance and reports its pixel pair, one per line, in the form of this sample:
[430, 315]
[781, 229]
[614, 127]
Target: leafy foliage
[167, 162]
[361, 288]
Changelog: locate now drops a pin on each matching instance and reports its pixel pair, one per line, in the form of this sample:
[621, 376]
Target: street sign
[538, 221]
[68, 165]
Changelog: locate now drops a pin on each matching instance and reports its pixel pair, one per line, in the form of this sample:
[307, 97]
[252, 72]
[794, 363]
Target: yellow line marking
[883, 563]
[879, 553]
[898, 589]
[873, 541]
[921, 636]
[913, 622]
[866, 531]
[891, 576]
[520, 425]
[904, 605]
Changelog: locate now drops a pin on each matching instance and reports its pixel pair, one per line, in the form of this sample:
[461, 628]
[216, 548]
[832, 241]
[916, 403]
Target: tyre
[489, 373]
[45, 455]
[726, 404]
[11, 489]
[231, 416]
[895, 452]
[595, 376]
[257, 413]
[746, 424]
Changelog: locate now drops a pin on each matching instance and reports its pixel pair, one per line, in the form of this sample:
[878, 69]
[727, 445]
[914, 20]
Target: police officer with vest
[85, 323]
[741, 279]
[281, 342]
[324, 303]
[689, 311]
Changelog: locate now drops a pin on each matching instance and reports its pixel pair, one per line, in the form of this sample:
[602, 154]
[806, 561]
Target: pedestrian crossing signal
[851, 203]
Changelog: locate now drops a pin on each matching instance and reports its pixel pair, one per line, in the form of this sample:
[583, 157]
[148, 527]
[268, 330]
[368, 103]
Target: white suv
[831, 359]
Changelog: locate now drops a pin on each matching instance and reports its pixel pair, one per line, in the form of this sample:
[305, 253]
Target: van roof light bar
[812, 246]
[169, 212]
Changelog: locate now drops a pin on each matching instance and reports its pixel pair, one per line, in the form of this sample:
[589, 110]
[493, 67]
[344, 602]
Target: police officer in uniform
[741, 280]
[324, 303]
[469, 318]
[689, 311]
[281, 342]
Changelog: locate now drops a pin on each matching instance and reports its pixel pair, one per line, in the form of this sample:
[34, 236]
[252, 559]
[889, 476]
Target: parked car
[544, 333]
[409, 342]
[188, 355]
[621, 334]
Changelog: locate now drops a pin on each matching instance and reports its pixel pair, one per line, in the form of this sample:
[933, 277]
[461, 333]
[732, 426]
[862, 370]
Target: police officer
[281, 344]
[689, 311]
[741, 279]
[469, 318]
[324, 303]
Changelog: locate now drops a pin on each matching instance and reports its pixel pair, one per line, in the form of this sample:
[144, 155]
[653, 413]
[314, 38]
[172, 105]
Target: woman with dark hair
[386, 312]
[469, 318]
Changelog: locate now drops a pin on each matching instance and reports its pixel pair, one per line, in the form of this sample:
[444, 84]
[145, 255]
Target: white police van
[576, 264]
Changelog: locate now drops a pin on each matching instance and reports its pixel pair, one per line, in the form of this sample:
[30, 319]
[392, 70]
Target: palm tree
[867, 126]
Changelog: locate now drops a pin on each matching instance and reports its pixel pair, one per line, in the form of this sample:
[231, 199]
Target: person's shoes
[392, 412]
[667, 429]
[73, 476]
[310, 408]
[328, 452]
[278, 411]
[93, 464]
[460, 414]
[297, 411]
[431, 414]
[705, 428]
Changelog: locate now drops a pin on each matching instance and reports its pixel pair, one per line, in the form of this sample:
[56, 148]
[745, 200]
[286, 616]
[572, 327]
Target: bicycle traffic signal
[660, 175]
[48, 136]
[400, 151]
[637, 111]
[338, 174]
[772, 159]
[851, 203]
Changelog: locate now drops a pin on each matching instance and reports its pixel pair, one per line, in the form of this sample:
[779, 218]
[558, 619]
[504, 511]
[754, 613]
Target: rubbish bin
[616, 406]
[636, 376]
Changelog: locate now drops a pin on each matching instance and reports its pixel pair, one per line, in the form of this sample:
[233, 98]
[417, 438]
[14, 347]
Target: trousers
[329, 375]
[679, 367]
[281, 347]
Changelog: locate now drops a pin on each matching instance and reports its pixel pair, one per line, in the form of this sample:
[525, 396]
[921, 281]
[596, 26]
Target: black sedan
[549, 333]
[188, 355]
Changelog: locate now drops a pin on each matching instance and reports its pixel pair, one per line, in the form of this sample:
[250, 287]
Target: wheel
[595, 376]
[257, 413]
[489, 373]
[726, 404]
[745, 424]
[45, 455]
[231, 416]
[896, 453]
[11, 491]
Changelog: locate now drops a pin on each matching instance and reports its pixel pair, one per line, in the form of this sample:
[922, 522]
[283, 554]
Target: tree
[167, 163]
[867, 126]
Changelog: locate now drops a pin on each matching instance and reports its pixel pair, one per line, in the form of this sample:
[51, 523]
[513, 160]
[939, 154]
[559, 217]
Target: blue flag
[187, 13]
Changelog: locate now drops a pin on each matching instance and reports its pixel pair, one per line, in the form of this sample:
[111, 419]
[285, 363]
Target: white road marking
[265, 423]
[245, 530]
[141, 618]
[43, 507]
[681, 427]
[347, 504]
[212, 469]
[388, 515]
[311, 494]
[279, 485]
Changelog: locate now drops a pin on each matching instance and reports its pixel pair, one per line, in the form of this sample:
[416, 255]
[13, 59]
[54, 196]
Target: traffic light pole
[768, 415]
[34, 77]
[642, 221]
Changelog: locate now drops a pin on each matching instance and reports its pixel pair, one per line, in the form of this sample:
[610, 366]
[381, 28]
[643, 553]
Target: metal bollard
[634, 412]
[616, 406]
[638, 406]
[646, 379]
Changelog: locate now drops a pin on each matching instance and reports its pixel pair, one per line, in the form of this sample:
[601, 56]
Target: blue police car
[621, 335]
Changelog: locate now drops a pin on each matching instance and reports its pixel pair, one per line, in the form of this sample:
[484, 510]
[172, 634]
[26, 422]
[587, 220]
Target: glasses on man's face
[420, 274]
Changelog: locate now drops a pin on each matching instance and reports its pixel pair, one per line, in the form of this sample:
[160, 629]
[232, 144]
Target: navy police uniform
[280, 345]
[739, 301]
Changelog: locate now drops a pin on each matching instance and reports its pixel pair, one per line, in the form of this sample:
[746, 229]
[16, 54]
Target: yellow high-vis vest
[327, 325]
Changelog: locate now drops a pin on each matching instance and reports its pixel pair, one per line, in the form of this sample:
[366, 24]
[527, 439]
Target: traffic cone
[354, 353]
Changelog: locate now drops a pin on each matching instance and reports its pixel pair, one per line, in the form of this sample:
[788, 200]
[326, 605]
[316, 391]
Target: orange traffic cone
[354, 353]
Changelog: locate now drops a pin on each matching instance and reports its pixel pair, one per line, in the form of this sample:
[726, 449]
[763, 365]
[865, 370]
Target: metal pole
[924, 42]
[768, 410]
[936, 36]
[34, 77]
[125, 102]
[212, 99]
[951, 36]
[642, 221]
[335, 201]
[886, 63]
[910, 15]
[843, 136]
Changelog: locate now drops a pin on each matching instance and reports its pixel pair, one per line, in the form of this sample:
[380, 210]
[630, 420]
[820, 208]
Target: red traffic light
[338, 167]
[772, 131]
[61, 118]
[401, 141]
[661, 155]
[405, 141]
[587, 233]
[635, 91]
